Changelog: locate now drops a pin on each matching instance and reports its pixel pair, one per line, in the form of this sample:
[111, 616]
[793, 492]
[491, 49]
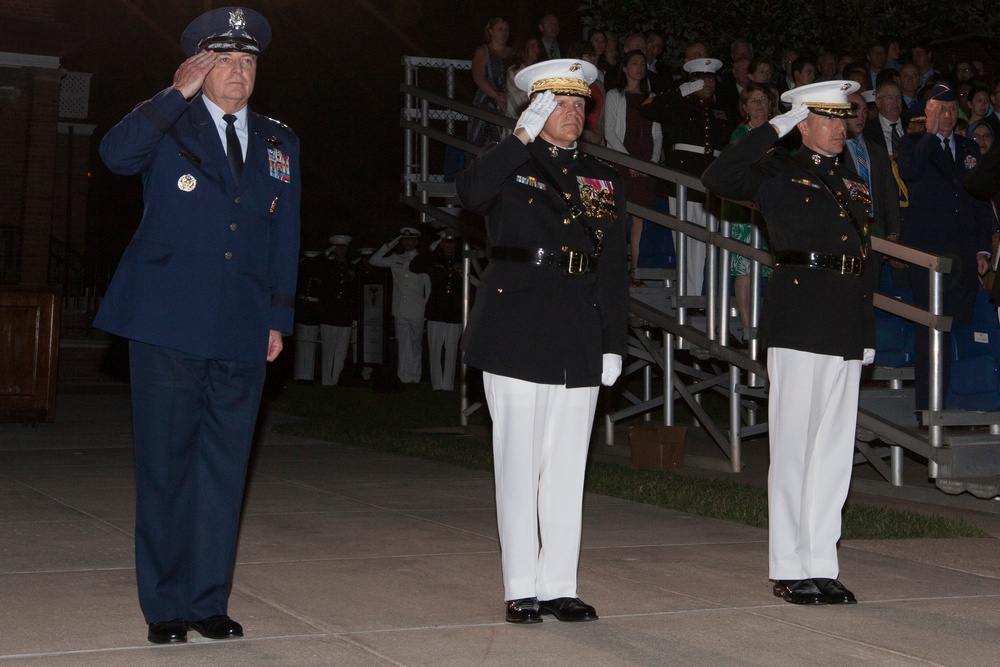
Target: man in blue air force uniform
[204, 293]
[548, 327]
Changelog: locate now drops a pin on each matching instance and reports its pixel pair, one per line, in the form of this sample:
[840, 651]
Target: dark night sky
[332, 73]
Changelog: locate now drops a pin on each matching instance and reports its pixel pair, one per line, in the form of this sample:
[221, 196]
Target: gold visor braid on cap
[831, 109]
[562, 86]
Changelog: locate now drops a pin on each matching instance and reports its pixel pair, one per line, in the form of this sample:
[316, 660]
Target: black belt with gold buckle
[571, 261]
[843, 264]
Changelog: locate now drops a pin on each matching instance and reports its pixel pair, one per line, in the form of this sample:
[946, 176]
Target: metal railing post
[936, 397]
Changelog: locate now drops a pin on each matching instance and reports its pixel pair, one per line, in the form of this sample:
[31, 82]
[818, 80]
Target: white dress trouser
[695, 251]
[335, 341]
[541, 434]
[305, 351]
[443, 337]
[813, 413]
[410, 339]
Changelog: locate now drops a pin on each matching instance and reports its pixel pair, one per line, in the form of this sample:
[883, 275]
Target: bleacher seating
[893, 334]
[975, 366]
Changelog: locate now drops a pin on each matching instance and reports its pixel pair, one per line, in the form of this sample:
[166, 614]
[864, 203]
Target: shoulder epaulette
[273, 120]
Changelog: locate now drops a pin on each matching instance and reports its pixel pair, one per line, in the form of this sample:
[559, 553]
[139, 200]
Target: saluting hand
[532, 119]
[191, 74]
[933, 113]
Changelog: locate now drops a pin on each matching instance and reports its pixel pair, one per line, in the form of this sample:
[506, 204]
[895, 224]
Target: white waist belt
[691, 148]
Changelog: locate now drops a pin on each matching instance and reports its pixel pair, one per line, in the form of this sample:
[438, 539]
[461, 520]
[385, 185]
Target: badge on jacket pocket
[187, 182]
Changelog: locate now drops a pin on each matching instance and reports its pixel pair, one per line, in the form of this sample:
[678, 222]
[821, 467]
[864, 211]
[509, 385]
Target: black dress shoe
[834, 592]
[799, 591]
[168, 632]
[523, 610]
[568, 609]
[217, 627]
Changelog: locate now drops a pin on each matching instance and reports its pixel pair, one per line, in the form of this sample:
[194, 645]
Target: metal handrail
[416, 123]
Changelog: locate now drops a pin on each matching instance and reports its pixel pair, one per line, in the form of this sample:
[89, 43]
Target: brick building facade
[44, 175]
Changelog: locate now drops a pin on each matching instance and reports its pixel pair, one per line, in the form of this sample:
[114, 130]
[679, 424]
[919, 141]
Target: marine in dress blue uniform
[817, 324]
[307, 314]
[339, 308]
[696, 126]
[548, 327]
[204, 293]
[444, 265]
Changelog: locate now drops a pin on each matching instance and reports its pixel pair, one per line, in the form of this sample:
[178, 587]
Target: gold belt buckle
[577, 262]
[847, 264]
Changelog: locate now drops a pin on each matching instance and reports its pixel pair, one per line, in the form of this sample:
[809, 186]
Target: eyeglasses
[757, 100]
[890, 97]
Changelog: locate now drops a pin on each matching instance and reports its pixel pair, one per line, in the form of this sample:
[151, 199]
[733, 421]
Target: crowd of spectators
[896, 79]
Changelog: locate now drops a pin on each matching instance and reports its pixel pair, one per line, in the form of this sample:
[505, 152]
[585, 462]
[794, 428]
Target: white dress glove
[612, 369]
[392, 244]
[788, 120]
[689, 87]
[533, 118]
[868, 358]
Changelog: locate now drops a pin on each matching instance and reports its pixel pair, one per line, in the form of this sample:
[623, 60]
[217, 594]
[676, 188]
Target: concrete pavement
[354, 557]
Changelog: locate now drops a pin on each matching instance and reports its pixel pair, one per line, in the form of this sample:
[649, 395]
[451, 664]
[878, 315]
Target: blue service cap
[227, 29]
[942, 92]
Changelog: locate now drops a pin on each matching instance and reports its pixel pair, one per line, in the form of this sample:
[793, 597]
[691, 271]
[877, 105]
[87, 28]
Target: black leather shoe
[168, 632]
[834, 592]
[217, 627]
[523, 610]
[568, 609]
[798, 591]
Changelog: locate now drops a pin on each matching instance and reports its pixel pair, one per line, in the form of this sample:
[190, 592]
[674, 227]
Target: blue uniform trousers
[194, 422]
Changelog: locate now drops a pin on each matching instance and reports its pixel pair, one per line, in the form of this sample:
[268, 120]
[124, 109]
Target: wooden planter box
[29, 353]
[657, 447]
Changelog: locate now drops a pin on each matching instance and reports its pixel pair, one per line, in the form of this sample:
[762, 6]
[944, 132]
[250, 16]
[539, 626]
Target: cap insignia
[575, 67]
[236, 20]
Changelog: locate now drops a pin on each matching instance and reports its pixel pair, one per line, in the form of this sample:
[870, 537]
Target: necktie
[947, 151]
[234, 151]
[862, 159]
[894, 138]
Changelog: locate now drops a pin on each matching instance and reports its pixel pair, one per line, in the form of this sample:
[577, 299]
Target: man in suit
[548, 29]
[548, 327]
[817, 325]
[204, 293]
[871, 163]
[887, 127]
[942, 218]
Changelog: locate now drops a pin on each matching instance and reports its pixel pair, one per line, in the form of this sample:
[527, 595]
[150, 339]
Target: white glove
[392, 244]
[612, 369]
[868, 358]
[689, 87]
[788, 120]
[434, 245]
[533, 118]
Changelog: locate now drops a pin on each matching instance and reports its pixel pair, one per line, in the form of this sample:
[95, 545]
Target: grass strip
[386, 422]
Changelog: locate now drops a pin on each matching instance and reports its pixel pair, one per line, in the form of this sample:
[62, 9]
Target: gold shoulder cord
[904, 194]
